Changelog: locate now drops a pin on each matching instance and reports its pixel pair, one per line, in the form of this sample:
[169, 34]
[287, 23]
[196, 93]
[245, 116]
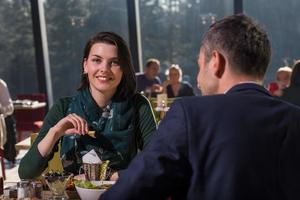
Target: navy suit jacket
[241, 145]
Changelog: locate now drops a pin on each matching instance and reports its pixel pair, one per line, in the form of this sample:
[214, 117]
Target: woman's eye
[115, 63]
[96, 60]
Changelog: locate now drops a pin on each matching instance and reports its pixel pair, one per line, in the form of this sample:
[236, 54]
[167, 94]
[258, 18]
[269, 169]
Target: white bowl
[92, 194]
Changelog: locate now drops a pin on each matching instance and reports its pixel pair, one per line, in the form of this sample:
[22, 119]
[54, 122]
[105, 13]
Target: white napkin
[91, 157]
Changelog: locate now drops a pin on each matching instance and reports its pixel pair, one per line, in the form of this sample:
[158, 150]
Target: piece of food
[89, 185]
[92, 134]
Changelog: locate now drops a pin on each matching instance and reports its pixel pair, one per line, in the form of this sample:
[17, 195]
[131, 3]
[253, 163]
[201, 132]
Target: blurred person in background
[292, 93]
[106, 102]
[148, 81]
[6, 110]
[6, 104]
[236, 142]
[283, 78]
[173, 86]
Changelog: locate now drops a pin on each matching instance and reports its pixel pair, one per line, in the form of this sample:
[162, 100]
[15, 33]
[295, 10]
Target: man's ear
[218, 63]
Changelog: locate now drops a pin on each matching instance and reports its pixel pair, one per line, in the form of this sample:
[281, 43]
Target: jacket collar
[248, 86]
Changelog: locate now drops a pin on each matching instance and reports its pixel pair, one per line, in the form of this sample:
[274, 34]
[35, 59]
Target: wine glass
[57, 182]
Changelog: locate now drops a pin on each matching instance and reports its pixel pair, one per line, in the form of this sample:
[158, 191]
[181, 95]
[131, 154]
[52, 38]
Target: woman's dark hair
[295, 78]
[127, 86]
[242, 41]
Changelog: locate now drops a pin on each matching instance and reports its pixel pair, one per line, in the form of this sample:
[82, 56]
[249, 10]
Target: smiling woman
[103, 70]
[106, 102]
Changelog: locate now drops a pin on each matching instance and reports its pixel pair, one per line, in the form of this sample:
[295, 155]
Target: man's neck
[226, 84]
[149, 77]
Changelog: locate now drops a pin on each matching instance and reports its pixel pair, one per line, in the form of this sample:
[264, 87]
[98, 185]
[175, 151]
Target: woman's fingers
[72, 124]
[74, 121]
[79, 124]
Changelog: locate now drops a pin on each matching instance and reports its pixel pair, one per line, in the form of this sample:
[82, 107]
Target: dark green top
[121, 130]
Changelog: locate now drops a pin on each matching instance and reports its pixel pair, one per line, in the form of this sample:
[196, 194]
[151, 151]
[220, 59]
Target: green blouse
[121, 130]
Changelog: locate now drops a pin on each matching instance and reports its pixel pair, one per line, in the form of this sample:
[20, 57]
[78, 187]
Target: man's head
[234, 47]
[152, 68]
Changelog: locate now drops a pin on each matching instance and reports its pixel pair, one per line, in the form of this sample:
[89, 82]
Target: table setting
[89, 184]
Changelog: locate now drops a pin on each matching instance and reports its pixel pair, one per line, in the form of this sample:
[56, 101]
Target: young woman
[107, 103]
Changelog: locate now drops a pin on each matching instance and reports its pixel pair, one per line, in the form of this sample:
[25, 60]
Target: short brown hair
[151, 61]
[243, 42]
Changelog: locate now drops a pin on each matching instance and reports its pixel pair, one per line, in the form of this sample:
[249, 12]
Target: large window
[172, 29]
[70, 23]
[17, 68]
[282, 24]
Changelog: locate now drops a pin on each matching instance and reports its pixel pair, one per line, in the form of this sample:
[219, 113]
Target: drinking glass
[57, 183]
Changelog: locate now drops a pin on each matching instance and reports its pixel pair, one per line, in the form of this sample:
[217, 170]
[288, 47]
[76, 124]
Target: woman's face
[283, 79]
[103, 69]
[174, 75]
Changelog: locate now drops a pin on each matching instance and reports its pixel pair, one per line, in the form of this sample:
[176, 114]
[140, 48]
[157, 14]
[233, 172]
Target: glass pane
[17, 48]
[70, 23]
[172, 29]
[283, 28]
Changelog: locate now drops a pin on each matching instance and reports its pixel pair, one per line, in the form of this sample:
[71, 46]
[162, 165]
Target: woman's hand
[71, 124]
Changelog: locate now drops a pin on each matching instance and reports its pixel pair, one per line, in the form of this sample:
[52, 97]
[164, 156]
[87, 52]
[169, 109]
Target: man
[235, 143]
[148, 82]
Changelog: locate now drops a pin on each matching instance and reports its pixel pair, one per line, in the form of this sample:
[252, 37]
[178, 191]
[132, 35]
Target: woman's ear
[85, 66]
[218, 63]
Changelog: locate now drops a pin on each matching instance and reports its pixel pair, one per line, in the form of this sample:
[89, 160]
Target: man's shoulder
[157, 80]
[140, 77]
[235, 101]
[140, 74]
[192, 102]
[208, 98]
[209, 103]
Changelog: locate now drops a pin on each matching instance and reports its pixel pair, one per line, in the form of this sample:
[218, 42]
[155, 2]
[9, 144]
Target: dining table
[11, 192]
[28, 104]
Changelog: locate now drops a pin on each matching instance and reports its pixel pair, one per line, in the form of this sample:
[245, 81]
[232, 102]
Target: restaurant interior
[42, 41]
